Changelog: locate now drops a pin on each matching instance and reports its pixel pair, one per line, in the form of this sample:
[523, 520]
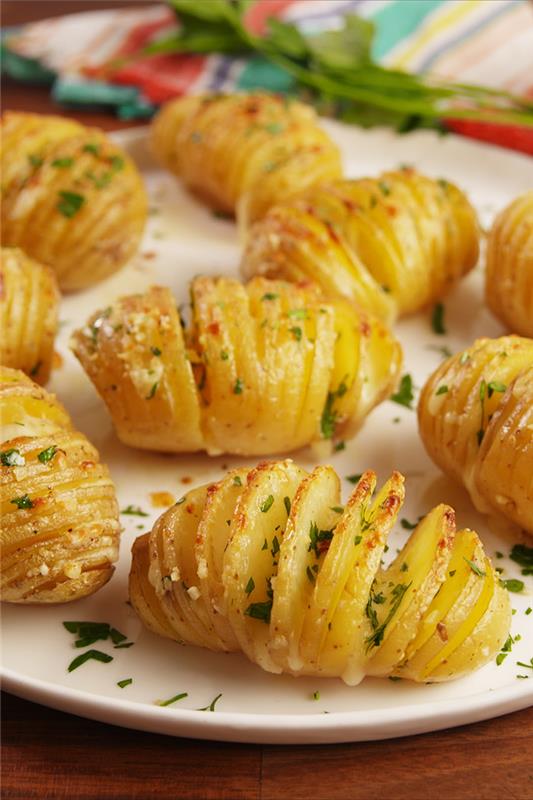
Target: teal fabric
[258, 73]
[398, 20]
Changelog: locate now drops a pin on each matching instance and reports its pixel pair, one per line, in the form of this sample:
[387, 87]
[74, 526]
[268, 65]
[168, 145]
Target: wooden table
[48, 754]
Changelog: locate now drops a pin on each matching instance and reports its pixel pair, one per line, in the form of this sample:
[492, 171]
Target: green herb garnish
[136, 511]
[70, 203]
[267, 504]
[172, 699]
[437, 319]
[404, 396]
[62, 163]
[250, 586]
[47, 455]
[24, 501]
[12, 458]
[260, 611]
[212, 704]
[474, 567]
[513, 585]
[152, 391]
[238, 387]
[523, 555]
[125, 682]
[442, 389]
[94, 655]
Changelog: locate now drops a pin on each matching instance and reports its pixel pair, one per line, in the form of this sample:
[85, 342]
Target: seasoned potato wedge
[393, 244]
[298, 585]
[29, 304]
[509, 277]
[244, 152]
[259, 369]
[71, 198]
[60, 528]
[476, 421]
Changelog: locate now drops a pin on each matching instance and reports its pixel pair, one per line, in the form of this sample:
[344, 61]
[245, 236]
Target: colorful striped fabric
[488, 42]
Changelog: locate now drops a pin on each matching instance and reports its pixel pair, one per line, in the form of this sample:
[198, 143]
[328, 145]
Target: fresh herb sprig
[336, 69]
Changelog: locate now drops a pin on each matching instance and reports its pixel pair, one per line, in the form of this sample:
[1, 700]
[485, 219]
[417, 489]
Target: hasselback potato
[244, 152]
[393, 244]
[259, 369]
[267, 561]
[476, 421]
[29, 304]
[509, 277]
[71, 198]
[59, 529]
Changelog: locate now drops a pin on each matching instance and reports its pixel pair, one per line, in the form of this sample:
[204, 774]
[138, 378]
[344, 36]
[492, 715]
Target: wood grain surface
[48, 754]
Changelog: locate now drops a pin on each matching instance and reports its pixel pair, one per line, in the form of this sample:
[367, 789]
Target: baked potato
[71, 198]
[509, 276]
[29, 306]
[392, 244]
[59, 528]
[268, 561]
[244, 152]
[259, 369]
[476, 421]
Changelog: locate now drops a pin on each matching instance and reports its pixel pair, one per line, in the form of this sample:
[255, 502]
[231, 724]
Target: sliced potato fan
[476, 421]
[243, 152]
[268, 561]
[29, 306]
[59, 531]
[258, 369]
[393, 244]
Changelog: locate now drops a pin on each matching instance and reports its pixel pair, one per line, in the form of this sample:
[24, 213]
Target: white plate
[184, 239]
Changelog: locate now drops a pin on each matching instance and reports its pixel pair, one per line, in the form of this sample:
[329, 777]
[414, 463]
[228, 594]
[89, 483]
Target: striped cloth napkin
[88, 56]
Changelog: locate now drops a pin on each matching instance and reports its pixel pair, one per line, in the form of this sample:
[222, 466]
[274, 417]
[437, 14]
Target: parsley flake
[12, 458]
[437, 319]
[69, 203]
[404, 396]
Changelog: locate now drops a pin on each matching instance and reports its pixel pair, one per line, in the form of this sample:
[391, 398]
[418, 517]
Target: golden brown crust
[476, 421]
[29, 306]
[509, 277]
[267, 561]
[60, 528]
[393, 244]
[70, 197]
[243, 152]
[260, 368]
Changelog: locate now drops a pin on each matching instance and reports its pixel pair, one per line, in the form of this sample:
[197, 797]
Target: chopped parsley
[69, 203]
[442, 389]
[270, 296]
[354, 478]
[24, 501]
[337, 509]
[339, 446]
[91, 148]
[91, 632]
[135, 511]
[152, 391]
[47, 455]
[125, 682]
[513, 585]
[404, 396]
[316, 695]
[409, 526]
[212, 704]
[155, 351]
[267, 504]
[444, 351]
[297, 313]
[384, 188]
[475, 568]
[496, 386]
[62, 163]
[250, 586]
[260, 611]
[275, 546]
[397, 594]
[12, 458]
[238, 387]
[287, 504]
[296, 332]
[94, 655]
[317, 537]
[35, 161]
[237, 481]
[172, 699]
[437, 319]
[523, 555]
[224, 355]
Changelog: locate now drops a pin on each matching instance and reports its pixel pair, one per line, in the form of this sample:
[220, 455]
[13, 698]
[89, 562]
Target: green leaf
[287, 38]
[344, 49]
[95, 655]
[404, 396]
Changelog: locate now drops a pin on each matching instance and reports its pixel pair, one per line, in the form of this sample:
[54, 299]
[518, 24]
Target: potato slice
[212, 537]
[313, 515]
[420, 567]
[251, 559]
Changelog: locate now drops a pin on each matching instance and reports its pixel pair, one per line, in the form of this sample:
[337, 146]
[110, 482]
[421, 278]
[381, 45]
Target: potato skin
[29, 307]
[509, 275]
[266, 561]
[393, 244]
[60, 528]
[260, 369]
[71, 198]
[475, 418]
[242, 153]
